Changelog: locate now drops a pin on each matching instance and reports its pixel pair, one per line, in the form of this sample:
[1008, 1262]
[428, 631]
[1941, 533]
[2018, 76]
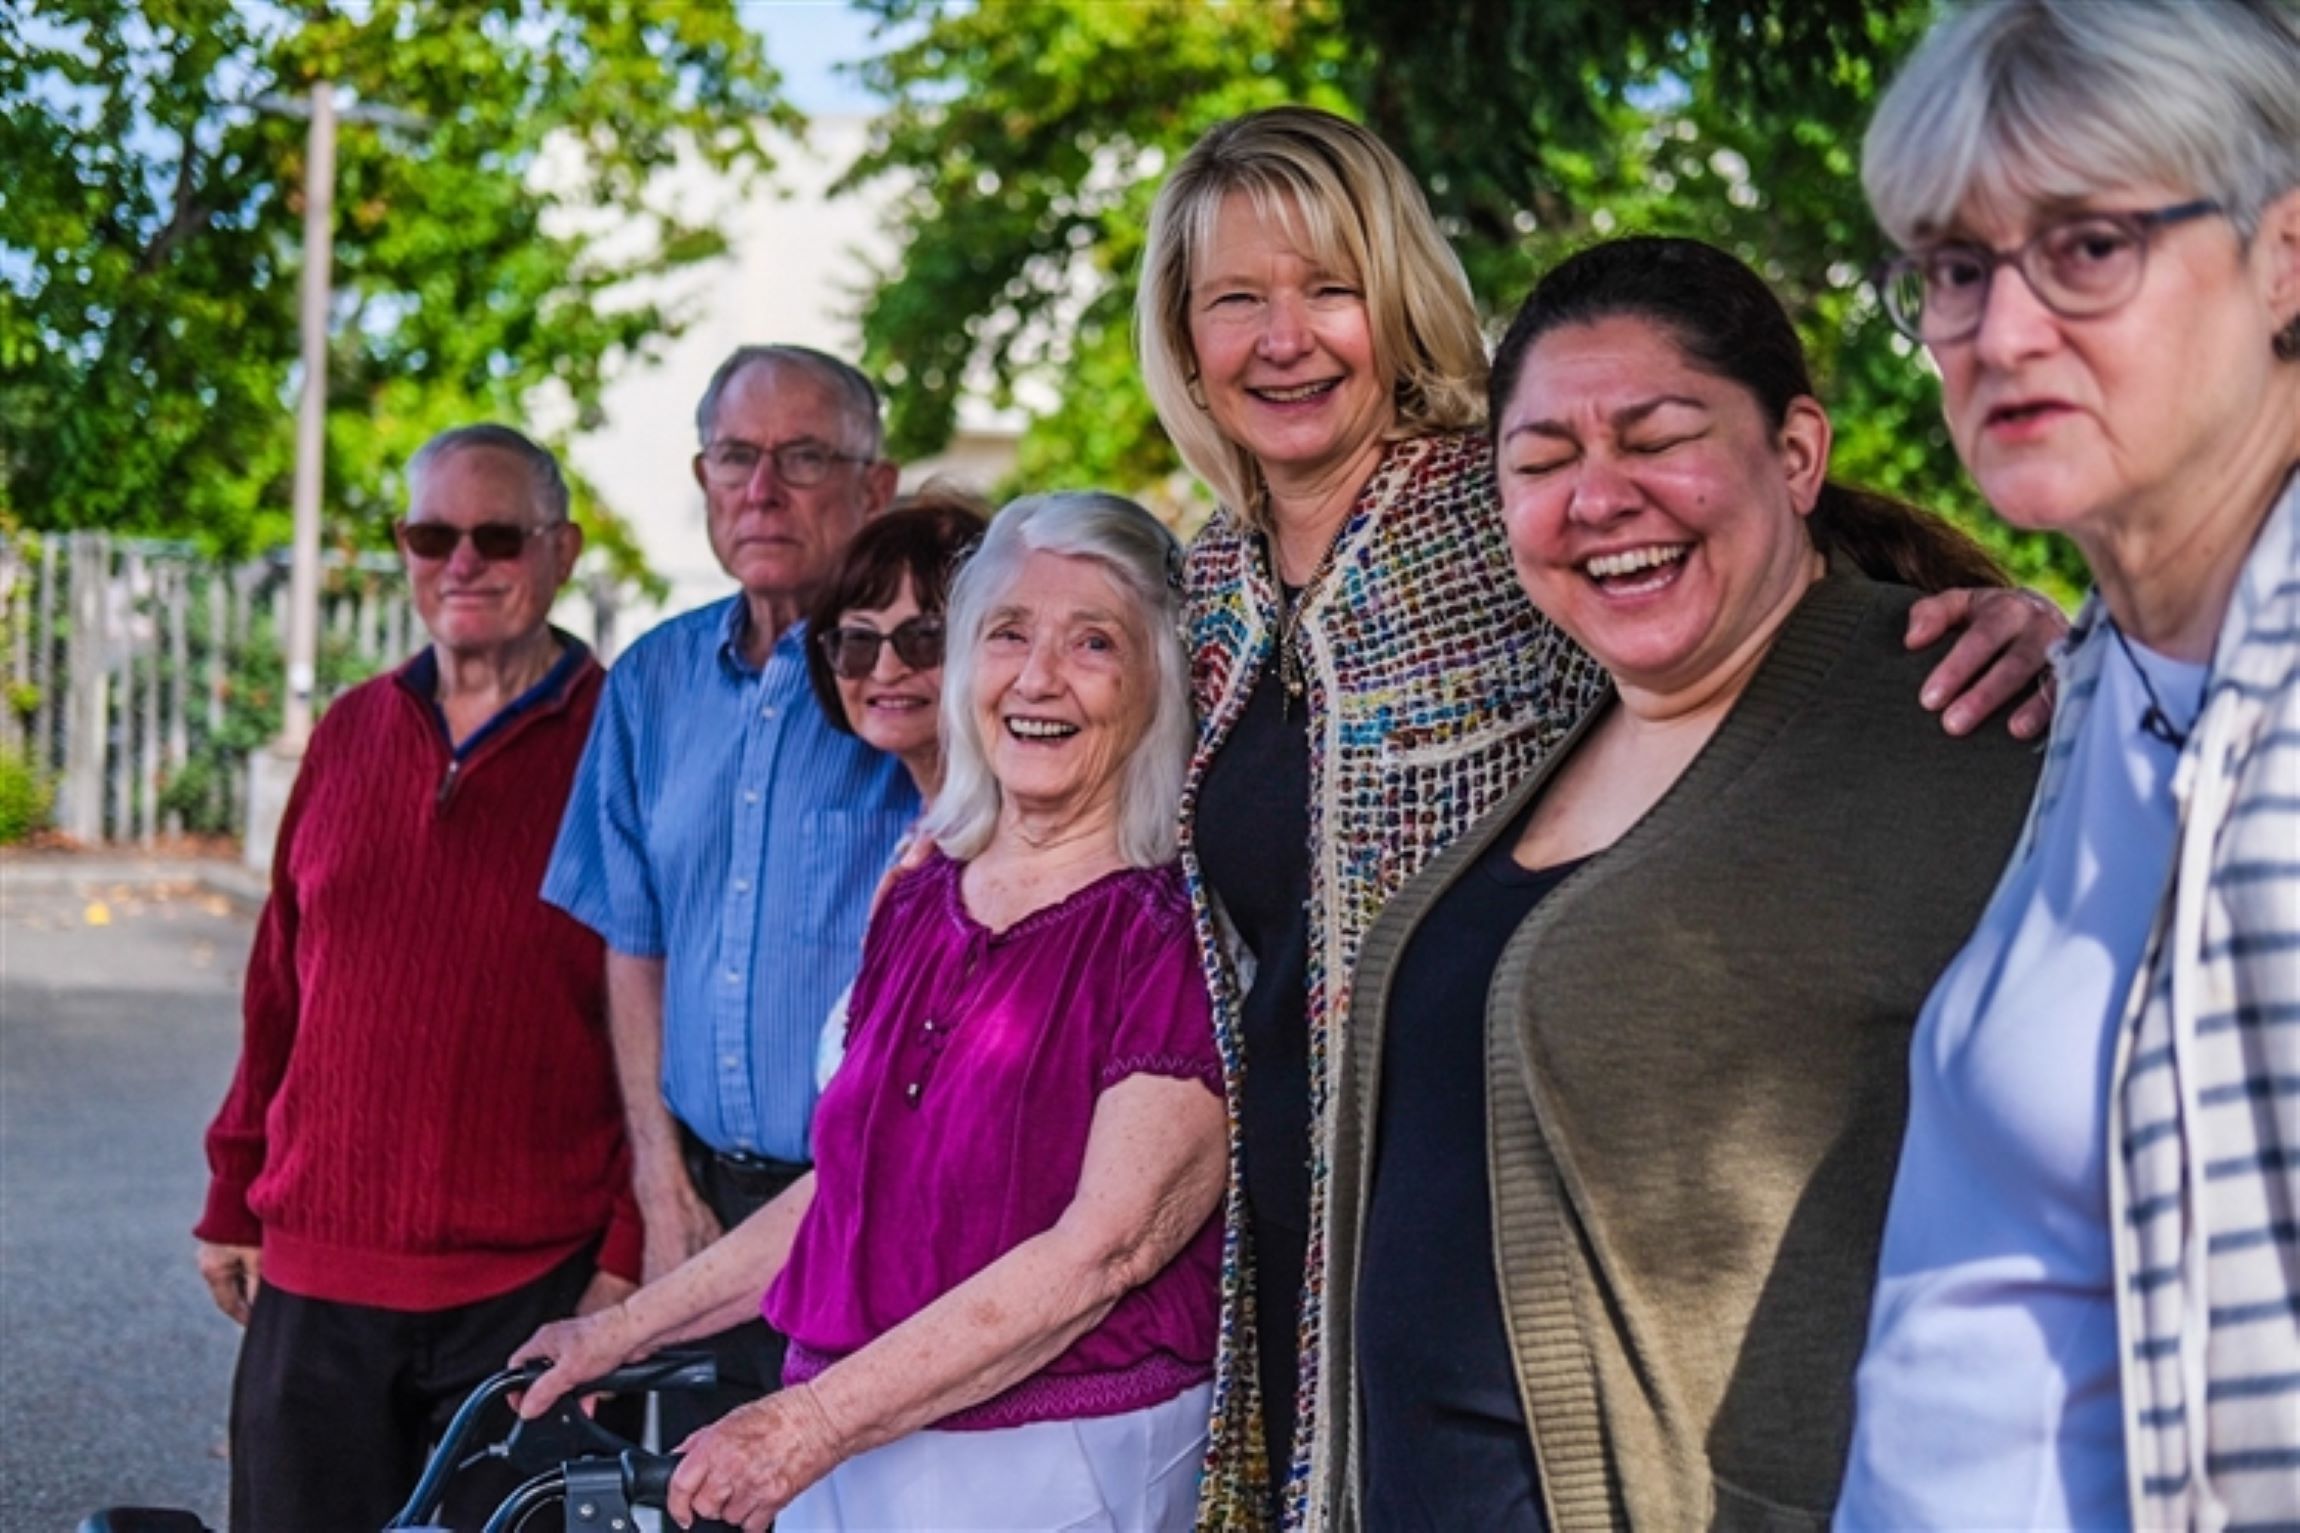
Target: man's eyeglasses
[801, 465]
[493, 541]
[853, 652]
[2078, 267]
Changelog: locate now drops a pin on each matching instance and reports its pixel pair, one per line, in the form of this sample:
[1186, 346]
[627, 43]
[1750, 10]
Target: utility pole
[271, 772]
[311, 425]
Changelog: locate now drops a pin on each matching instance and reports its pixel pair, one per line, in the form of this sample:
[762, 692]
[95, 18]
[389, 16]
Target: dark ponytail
[1728, 323]
[1892, 540]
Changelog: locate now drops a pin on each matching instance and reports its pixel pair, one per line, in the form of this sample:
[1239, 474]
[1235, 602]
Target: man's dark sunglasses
[494, 541]
[853, 652]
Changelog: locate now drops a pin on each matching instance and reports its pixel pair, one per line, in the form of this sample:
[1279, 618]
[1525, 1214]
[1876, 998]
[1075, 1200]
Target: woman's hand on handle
[579, 1351]
[749, 1465]
[2004, 647]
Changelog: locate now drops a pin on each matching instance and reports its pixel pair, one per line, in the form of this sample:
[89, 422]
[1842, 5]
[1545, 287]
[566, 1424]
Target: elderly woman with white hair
[2088, 1308]
[999, 1280]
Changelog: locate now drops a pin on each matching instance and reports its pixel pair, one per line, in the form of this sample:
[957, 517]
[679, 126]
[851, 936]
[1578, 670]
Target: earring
[1196, 390]
[2286, 343]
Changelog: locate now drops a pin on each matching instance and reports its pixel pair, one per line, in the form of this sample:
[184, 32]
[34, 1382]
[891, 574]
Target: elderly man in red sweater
[421, 1158]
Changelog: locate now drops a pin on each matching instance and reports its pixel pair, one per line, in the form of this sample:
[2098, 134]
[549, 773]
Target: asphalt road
[118, 1029]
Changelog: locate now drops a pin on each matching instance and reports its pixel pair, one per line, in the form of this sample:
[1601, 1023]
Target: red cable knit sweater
[425, 1112]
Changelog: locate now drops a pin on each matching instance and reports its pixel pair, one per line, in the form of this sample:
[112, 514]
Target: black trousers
[335, 1406]
[751, 1354]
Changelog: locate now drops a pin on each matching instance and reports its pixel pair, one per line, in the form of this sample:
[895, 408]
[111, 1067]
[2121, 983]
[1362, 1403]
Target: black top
[1253, 842]
[1446, 1445]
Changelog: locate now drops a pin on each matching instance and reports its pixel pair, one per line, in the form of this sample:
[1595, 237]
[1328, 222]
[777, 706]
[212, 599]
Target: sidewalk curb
[245, 888]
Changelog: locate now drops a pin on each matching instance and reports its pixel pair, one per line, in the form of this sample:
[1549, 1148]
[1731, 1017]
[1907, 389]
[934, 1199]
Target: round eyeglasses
[853, 652]
[801, 465]
[2079, 267]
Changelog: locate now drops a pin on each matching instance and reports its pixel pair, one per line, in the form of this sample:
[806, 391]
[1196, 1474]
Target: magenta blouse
[956, 1129]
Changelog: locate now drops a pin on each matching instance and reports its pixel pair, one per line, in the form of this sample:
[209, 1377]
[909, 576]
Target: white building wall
[795, 273]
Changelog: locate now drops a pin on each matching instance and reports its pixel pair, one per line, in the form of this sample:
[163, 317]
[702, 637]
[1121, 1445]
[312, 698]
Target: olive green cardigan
[1696, 1073]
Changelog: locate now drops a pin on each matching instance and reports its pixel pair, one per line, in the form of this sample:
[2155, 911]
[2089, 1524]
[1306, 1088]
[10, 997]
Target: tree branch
[191, 214]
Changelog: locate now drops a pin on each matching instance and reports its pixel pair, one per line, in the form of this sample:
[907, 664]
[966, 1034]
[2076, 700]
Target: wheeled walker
[597, 1476]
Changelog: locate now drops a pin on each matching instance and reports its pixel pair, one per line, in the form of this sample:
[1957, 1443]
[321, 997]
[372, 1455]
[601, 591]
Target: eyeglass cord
[2154, 721]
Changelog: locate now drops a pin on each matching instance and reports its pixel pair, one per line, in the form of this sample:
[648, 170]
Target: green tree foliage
[151, 224]
[1029, 137]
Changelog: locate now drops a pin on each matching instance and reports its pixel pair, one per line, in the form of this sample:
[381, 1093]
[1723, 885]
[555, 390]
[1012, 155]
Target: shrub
[25, 797]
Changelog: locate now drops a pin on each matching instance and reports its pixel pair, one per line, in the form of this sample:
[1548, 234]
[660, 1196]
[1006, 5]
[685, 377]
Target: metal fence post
[44, 752]
[120, 604]
[16, 575]
[86, 676]
[219, 620]
[179, 735]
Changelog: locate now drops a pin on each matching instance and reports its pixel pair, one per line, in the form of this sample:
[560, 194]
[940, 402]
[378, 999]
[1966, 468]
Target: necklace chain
[2154, 721]
[1290, 675]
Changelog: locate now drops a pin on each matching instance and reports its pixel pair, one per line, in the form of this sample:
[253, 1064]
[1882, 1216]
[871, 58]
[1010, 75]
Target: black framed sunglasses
[493, 541]
[853, 652]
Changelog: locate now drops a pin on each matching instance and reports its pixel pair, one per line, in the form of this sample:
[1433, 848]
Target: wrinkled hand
[233, 1274]
[2007, 637]
[580, 1350]
[603, 1291]
[749, 1466]
[679, 1224]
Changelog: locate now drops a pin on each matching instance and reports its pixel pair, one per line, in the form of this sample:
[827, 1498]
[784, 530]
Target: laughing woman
[876, 663]
[1625, 1068]
[999, 1280]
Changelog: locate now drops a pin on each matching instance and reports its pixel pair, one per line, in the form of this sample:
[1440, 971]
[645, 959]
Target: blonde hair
[1354, 208]
[2026, 103]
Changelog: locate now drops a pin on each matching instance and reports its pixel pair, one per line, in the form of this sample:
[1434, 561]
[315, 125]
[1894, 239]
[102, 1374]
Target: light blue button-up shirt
[718, 822]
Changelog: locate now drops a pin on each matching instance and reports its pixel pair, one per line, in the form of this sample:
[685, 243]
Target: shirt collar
[2275, 553]
[736, 626]
[420, 676]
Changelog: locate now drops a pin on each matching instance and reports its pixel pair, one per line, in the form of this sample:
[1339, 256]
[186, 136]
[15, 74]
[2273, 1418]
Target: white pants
[1136, 1473]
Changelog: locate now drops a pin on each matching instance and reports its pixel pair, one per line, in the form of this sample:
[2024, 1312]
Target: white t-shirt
[831, 1042]
[1988, 1394]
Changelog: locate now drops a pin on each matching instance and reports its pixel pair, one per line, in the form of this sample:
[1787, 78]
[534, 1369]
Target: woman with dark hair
[1624, 1080]
[876, 661]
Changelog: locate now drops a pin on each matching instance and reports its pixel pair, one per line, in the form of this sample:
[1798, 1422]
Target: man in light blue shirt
[724, 839]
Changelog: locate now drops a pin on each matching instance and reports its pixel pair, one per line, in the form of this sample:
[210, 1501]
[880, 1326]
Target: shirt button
[731, 1060]
[742, 886]
[734, 975]
[767, 712]
[750, 795]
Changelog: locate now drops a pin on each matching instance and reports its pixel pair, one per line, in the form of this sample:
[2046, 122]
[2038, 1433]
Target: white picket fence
[123, 656]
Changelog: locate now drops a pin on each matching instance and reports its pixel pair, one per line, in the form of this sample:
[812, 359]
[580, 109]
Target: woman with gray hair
[2088, 1306]
[999, 1280]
